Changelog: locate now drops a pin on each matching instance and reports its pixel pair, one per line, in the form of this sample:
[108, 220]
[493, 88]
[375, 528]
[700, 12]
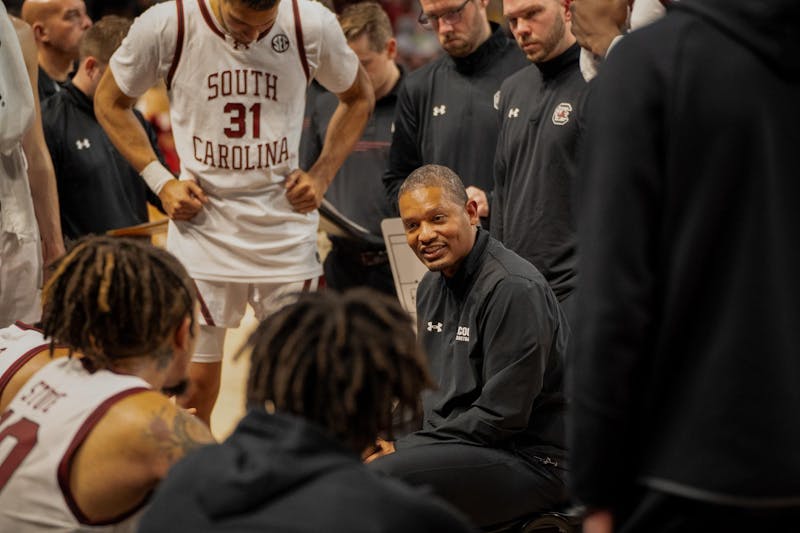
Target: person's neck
[82, 82]
[389, 84]
[486, 32]
[215, 10]
[56, 64]
[145, 367]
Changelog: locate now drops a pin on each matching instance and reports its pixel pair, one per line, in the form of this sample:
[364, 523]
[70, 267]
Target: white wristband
[156, 175]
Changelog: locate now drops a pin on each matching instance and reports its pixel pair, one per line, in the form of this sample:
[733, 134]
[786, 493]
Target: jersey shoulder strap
[176, 57]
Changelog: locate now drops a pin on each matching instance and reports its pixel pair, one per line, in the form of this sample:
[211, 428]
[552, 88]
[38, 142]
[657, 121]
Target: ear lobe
[39, 31]
[391, 48]
[472, 211]
[181, 339]
[89, 64]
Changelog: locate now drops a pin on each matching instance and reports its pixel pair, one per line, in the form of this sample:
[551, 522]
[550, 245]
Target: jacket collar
[485, 53]
[568, 59]
[462, 279]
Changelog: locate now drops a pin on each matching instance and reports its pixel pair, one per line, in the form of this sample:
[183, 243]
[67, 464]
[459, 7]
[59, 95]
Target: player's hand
[182, 199]
[595, 23]
[381, 448]
[474, 193]
[304, 191]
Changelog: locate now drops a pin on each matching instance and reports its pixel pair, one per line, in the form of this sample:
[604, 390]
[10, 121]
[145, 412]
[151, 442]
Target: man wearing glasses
[447, 110]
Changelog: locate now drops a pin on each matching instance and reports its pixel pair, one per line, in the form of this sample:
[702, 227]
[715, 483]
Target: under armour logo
[439, 110]
[435, 327]
[238, 45]
[83, 143]
[513, 112]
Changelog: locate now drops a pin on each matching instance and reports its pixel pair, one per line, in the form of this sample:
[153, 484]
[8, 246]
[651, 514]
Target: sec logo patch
[280, 43]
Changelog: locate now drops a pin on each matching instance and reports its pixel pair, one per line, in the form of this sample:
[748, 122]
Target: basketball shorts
[20, 278]
[223, 304]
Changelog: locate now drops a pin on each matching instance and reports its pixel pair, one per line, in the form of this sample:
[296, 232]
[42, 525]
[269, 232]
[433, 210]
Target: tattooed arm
[172, 440]
[129, 451]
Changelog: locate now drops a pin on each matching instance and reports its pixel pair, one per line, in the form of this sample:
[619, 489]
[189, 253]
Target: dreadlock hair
[112, 298]
[340, 360]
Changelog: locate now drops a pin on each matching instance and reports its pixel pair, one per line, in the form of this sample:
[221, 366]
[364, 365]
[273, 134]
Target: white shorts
[20, 279]
[223, 304]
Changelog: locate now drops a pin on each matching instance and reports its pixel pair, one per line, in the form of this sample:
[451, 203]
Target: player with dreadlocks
[89, 437]
[326, 372]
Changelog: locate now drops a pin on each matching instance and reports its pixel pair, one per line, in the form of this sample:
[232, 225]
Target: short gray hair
[436, 176]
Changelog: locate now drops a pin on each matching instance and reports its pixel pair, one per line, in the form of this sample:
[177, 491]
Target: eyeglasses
[430, 22]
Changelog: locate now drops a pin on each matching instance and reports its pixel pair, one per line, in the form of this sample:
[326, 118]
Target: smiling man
[243, 214]
[492, 441]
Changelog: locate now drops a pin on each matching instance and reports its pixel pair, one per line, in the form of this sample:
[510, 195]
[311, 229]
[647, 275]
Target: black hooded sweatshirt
[279, 473]
[687, 340]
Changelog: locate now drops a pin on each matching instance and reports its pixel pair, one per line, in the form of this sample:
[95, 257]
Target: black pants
[658, 512]
[350, 266]
[490, 486]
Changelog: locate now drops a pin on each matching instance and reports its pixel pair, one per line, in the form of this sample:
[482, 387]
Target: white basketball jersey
[16, 93]
[237, 113]
[16, 116]
[19, 343]
[40, 432]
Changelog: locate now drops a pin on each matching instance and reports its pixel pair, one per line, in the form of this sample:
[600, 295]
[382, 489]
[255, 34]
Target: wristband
[156, 175]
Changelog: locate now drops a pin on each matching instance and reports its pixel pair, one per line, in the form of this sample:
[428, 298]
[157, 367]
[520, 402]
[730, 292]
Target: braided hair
[340, 360]
[111, 298]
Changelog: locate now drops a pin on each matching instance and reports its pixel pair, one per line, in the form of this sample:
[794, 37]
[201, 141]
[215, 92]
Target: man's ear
[391, 48]
[182, 337]
[39, 32]
[472, 212]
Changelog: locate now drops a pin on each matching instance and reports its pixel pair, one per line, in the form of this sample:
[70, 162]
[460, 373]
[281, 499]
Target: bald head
[39, 10]
[58, 25]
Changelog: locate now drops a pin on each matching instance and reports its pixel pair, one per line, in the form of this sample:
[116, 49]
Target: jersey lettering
[25, 432]
[241, 157]
[242, 82]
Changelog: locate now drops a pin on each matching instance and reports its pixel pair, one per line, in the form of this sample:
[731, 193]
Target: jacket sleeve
[404, 154]
[516, 332]
[618, 231]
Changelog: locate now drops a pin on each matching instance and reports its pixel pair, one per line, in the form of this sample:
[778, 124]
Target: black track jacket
[447, 114]
[495, 338]
[687, 345]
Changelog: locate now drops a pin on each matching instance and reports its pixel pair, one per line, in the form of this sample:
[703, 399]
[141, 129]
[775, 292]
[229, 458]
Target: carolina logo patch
[561, 113]
[280, 43]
